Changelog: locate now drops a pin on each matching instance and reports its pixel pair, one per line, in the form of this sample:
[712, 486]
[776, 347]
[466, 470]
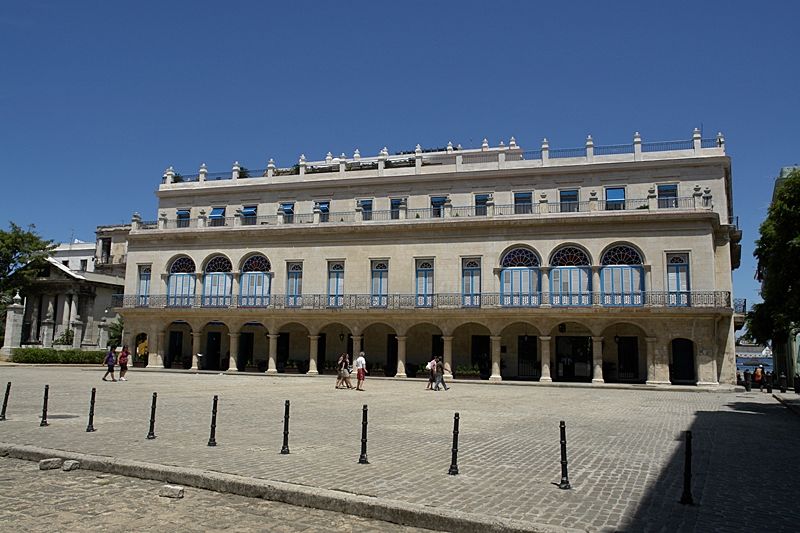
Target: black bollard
[782, 383]
[454, 461]
[769, 383]
[362, 460]
[212, 441]
[564, 485]
[285, 447]
[5, 402]
[44, 407]
[686, 497]
[90, 427]
[152, 433]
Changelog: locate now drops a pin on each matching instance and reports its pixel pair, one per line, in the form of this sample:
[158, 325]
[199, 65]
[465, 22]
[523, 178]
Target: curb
[303, 496]
[789, 405]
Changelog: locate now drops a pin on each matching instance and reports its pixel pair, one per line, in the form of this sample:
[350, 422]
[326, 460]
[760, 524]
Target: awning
[217, 212]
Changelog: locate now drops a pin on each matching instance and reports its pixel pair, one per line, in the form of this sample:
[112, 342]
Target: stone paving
[625, 446]
[52, 500]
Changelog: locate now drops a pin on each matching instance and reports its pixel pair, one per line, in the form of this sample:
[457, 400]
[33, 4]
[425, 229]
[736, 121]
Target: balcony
[685, 299]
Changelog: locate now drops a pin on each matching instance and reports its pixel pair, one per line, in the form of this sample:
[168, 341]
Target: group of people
[436, 377]
[111, 360]
[344, 369]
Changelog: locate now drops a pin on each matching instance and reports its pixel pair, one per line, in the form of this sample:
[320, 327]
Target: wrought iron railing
[567, 152]
[740, 305]
[704, 299]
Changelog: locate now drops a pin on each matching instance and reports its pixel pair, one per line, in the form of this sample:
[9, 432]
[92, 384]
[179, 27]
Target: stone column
[196, 338]
[544, 350]
[47, 332]
[73, 308]
[597, 359]
[155, 357]
[595, 286]
[495, 358]
[65, 313]
[13, 335]
[273, 354]
[234, 352]
[657, 369]
[34, 335]
[401, 357]
[313, 346]
[545, 288]
[102, 337]
[356, 346]
[447, 350]
[77, 334]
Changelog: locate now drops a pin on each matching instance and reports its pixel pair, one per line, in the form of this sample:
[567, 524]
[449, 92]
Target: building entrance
[573, 359]
[628, 359]
[213, 347]
[528, 366]
[175, 351]
[481, 355]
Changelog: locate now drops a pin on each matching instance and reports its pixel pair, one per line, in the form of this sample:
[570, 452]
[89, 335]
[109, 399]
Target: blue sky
[98, 97]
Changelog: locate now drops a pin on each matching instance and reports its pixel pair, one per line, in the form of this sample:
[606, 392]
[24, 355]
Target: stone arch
[217, 261]
[472, 348]
[215, 346]
[624, 352]
[423, 339]
[293, 346]
[141, 346]
[379, 341]
[516, 254]
[570, 254]
[179, 264]
[253, 347]
[254, 262]
[521, 353]
[571, 348]
[610, 249]
[335, 337]
[178, 337]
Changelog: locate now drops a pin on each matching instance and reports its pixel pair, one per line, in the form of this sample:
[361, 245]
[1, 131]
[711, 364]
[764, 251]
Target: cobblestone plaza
[625, 446]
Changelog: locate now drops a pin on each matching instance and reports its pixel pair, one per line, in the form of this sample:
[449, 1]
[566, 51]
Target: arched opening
[253, 348]
[520, 352]
[380, 344]
[472, 351]
[292, 349]
[682, 363]
[181, 282]
[140, 350]
[217, 282]
[179, 345]
[624, 354]
[573, 353]
[422, 341]
[520, 278]
[255, 286]
[335, 339]
[214, 347]
[570, 277]
[622, 276]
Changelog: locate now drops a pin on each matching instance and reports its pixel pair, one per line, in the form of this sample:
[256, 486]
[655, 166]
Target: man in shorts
[361, 371]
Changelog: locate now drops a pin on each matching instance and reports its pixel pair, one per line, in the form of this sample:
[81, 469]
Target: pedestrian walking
[439, 380]
[109, 361]
[431, 368]
[361, 371]
[343, 372]
[123, 363]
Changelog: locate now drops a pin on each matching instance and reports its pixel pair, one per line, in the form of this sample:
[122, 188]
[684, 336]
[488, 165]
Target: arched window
[294, 284]
[379, 284]
[218, 282]
[255, 282]
[181, 283]
[471, 282]
[519, 278]
[622, 277]
[424, 276]
[335, 283]
[570, 277]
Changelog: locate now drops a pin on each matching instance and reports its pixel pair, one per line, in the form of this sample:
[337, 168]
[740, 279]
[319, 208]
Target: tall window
[379, 284]
[678, 280]
[287, 208]
[569, 201]
[249, 215]
[570, 277]
[480, 204]
[519, 278]
[523, 203]
[255, 282]
[395, 207]
[143, 287]
[181, 283]
[615, 198]
[668, 196]
[471, 282]
[437, 206]
[366, 209]
[182, 218]
[424, 282]
[217, 216]
[294, 285]
[622, 276]
[324, 210]
[335, 283]
[217, 282]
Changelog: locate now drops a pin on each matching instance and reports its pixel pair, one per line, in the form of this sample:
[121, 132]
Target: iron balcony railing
[740, 305]
[704, 299]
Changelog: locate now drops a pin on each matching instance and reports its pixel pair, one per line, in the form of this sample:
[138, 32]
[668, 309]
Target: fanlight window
[257, 263]
[520, 257]
[219, 264]
[621, 255]
[570, 256]
[182, 265]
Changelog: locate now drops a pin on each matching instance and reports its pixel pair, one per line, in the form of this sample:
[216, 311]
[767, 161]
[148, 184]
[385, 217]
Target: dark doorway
[283, 352]
[681, 371]
[528, 366]
[573, 359]
[627, 359]
[175, 351]
[391, 355]
[481, 355]
[321, 344]
[245, 356]
[437, 346]
[213, 347]
[350, 349]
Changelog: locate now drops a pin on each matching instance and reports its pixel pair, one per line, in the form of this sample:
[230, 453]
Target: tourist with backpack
[110, 361]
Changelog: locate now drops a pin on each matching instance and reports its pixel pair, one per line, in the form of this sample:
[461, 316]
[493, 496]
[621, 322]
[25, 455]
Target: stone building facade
[597, 264]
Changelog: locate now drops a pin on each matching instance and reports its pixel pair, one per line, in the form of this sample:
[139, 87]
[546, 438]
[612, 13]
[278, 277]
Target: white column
[356, 345]
[313, 343]
[13, 331]
[273, 354]
[196, 338]
[401, 356]
[495, 339]
[597, 356]
[544, 351]
[595, 286]
[234, 352]
[447, 350]
[155, 358]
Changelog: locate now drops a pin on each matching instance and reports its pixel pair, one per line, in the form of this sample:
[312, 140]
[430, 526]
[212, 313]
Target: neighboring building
[607, 263]
[111, 249]
[69, 303]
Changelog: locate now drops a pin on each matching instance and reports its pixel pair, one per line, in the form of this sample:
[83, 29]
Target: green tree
[115, 333]
[778, 254]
